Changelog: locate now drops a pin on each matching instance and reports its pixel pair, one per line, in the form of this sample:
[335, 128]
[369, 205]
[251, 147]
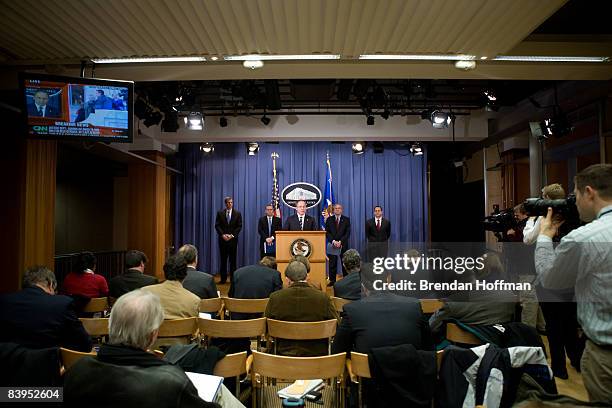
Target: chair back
[234, 305]
[95, 327]
[456, 334]
[232, 329]
[339, 303]
[232, 365]
[70, 357]
[429, 306]
[185, 327]
[298, 368]
[302, 330]
[212, 305]
[96, 305]
[359, 365]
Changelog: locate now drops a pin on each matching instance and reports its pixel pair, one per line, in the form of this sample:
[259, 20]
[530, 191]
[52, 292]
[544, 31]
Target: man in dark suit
[350, 286]
[300, 221]
[40, 108]
[37, 318]
[267, 227]
[197, 282]
[381, 319]
[133, 278]
[228, 225]
[300, 303]
[378, 231]
[338, 231]
[256, 281]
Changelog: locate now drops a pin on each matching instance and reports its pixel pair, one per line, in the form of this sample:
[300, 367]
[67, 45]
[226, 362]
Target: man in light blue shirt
[583, 259]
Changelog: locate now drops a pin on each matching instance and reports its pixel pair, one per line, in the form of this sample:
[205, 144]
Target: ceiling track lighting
[416, 149]
[252, 148]
[207, 148]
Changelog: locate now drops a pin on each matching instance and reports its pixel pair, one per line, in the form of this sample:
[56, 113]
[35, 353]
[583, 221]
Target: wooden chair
[176, 331]
[456, 334]
[358, 367]
[69, 357]
[212, 305]
[233, 305]
[96, 327]
[96, 305]
[429, 306]
[268, 366]
[233, 365]
[339, 303]
[232, 329]
[326, 329]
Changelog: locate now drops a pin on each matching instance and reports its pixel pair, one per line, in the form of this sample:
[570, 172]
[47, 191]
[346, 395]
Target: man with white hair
[124, 373]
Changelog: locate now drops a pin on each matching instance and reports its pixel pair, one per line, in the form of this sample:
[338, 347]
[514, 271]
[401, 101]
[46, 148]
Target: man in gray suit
[197, 282]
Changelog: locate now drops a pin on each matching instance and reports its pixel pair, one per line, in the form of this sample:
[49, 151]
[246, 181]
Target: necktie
[378, 224]
[302, 223]
[40, 112]
[228, 217]
[337, 221]
[269, 226]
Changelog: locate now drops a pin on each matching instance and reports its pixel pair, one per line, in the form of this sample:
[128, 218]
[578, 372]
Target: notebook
[208, 386]
[299, 388]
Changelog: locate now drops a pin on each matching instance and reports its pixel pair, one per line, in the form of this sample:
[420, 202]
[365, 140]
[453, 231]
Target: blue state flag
[328, 195]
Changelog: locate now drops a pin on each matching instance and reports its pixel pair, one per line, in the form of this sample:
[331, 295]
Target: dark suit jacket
[301, 303]
[340, 233]
[50, 111]
[382, 319]
[255, 282]
[374, 235]
[130, 280]
[293, 223]
[262, 229]
[35, 319]
[200, 283]
[234, 227]
[349, 287]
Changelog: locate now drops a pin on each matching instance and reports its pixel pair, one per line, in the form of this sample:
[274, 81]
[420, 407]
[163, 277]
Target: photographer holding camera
[583, 259]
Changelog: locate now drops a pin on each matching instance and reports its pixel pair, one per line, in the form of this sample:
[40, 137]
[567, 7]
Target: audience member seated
[306, 262]
[349, 287]
[36, 317]
[402, 275]
[300, 302]
[381, 319]
[83, 281]
[177, 301]
[124, 374]
[256, 281]
[197, 282]
[134, 277]
[478, 307]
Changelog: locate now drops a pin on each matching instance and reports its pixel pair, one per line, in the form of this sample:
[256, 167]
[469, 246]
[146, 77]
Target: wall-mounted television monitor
[56, 107]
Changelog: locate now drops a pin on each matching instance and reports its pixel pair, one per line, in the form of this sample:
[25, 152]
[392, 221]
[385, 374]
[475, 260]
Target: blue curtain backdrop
[394, 179]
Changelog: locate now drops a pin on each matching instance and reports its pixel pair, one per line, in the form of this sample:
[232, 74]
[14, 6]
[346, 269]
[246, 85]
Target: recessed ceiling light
[484, 57]
[253, 64]
[214, 58]
[424, 57]
[146, 60]
[465, 65]
[264, 57]
[543, 58]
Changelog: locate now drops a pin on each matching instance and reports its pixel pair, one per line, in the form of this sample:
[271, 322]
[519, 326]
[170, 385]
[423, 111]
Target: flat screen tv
[56, 107]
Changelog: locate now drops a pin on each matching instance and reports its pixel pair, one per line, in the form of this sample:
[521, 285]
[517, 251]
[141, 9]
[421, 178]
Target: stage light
[223, 121]
[557, 126]
[385, 115]
[207, 148]
[370, 120]
[170, 122]
[358, 147]
[253, 64]
[378, 147]
[194, 121]
[153, 118]
[265, 120]
[252, 148]
[440, 120]
[416, 149]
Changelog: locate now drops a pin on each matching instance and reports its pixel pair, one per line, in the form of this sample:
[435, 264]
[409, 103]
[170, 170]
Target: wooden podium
[318, 258]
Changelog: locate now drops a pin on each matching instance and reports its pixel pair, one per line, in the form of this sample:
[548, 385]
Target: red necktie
[378, 225]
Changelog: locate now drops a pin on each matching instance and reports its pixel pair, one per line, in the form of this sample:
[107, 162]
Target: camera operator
[584, 259]
[515, 234]
[558, 306]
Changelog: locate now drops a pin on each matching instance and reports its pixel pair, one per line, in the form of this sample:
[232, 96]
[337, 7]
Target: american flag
[275, 193]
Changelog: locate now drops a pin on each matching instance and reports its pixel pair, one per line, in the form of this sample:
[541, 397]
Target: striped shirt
[583, 260]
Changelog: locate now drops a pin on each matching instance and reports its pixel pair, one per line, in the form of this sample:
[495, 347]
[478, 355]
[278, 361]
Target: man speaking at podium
[301, 221]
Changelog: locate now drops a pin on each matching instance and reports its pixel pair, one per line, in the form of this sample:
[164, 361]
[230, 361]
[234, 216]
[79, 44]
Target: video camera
[564, 207]
[500, 221]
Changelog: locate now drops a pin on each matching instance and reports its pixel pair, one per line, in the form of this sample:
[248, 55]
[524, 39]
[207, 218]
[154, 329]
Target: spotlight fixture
[253, 64]
[194, 121]
[378, 147]
[358, 147]
[252, 148]
[370, 120]
[557, 126]
[438, 119]
[416, 149]
[152, 118]
[490, 101]
[223, 121]
[385, 115]
[207, 148]
[265, 120]
[170, 122]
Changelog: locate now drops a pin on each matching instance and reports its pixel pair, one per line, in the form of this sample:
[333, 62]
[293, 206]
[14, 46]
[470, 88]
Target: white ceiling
[58, 34]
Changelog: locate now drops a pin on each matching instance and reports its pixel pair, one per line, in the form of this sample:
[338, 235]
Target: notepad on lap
[208, 386]
[299, 388]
